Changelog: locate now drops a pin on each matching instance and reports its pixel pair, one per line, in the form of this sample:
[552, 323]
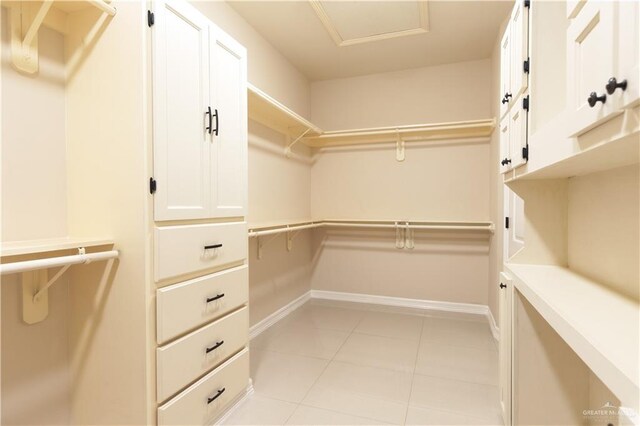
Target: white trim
[430, 305]
[495, 330]
[258, 328]
[235, 404]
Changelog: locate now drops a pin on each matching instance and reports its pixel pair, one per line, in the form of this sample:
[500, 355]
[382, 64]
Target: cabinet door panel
[504, 145]
[229, 146]
[519, 28]
[505, 353]
[180, 98]
[590, 64]
[628, 39]
[517, 132]
[505, 71]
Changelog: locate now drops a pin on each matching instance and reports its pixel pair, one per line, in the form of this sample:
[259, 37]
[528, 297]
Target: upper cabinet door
[229, 138]
[628, 40]
[505, 72]
[517, 132]
[181, 87]
[505, 161]
[519, 29]
[590, 64]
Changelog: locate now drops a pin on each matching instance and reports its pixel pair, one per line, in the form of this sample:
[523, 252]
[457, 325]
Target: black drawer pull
[593, 99]
[215, 131]
[210, 126]
[212, 246]
[214, 347]
[211, 299]
[613, 84]
[216, 396]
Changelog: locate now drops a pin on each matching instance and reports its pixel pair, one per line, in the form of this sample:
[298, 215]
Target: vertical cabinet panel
[628, 40]
[505, 308]
[517, 133]
[590, 64]
[505, 72]
[516, 225]
[229, 146]
[180, 97]
[504, 145]
[519, 30]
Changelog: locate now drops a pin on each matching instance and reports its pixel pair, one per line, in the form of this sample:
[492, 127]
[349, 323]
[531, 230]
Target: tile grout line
[413, 372]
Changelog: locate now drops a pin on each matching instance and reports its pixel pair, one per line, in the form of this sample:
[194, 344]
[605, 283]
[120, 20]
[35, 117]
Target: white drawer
[181, 250]
[186, 359]
[188, 305]
[195, 407]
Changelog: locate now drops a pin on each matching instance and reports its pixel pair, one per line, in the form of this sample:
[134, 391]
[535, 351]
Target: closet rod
[290, 228]
[52, 262]
[404, 224]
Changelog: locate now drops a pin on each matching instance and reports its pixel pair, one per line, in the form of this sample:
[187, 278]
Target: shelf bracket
[399, 146]
[400, 239]
[287, 150]
[261, 243]
[24, 44]
[290, 236]
[408, 234]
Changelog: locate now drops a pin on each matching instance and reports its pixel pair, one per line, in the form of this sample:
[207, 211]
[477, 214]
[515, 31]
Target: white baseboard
[233, 406]
[258, 328]
[494, 327]
[429, 305]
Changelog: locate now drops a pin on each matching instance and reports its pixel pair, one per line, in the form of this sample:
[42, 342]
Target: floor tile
[316, 416]
[284, 376]
[455, 362]
[378, 351]
[369, 392]
[326, 317]
[426, 416]
[306, 341]
[258, 410]
[388, 324]
[470, 334]
[469, 399]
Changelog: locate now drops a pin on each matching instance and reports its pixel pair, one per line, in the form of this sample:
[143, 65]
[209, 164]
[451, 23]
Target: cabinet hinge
[525, 103]
[525, 152]
[151, 18]
[527, 3]
[152, 185]
[525, 66]
[506, 222]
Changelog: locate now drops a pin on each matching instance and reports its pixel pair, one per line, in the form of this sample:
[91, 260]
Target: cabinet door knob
[507, 160]
[613, 84]
[506, 97]
[503, 285]
[593, 99]
[503, 161]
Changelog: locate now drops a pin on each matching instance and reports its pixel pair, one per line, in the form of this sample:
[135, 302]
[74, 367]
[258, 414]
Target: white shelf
[601, 326]
[17, 248]
[419, 132]
[271, 113]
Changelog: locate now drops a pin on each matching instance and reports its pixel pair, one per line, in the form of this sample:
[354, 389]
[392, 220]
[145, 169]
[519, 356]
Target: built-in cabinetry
[200, 172]
[569, 307]
[514, 80]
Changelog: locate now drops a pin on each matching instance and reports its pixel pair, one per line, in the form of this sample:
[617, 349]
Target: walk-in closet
[319, 212]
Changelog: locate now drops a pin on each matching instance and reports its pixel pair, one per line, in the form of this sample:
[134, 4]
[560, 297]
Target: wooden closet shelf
[418, 132]
[600, 325]
[17, 248]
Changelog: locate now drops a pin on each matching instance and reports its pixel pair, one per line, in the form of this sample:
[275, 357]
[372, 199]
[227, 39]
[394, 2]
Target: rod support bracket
[399, 146]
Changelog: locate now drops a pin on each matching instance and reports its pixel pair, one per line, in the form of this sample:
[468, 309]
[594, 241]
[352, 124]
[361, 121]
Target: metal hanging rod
[53, 262]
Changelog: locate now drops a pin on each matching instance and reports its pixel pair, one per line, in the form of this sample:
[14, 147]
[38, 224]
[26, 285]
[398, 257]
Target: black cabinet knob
[506, 97]
[507, 160]
[613, 84]
[503, 161]
[503, 285]
[593, 99]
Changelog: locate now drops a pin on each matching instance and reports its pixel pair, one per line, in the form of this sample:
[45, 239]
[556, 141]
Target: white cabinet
[628, 41]
[505, 309]
[199, 116]
[514, 81]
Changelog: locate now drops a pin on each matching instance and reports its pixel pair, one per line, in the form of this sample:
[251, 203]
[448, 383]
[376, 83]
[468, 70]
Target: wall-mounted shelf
[601, 326]
[26, 18]
[419, 132]
[267, 111]
[17, 248]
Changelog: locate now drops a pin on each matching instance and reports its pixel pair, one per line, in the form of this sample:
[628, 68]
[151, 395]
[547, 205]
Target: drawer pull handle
[216, 396]
[212, 246]
[214, 347]
[613, 84]
[593, 99]
[211, 299]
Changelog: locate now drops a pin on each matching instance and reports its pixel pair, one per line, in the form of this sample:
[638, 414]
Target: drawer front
[186, 359]
[184, 306]
[181, 250]
[192, 407]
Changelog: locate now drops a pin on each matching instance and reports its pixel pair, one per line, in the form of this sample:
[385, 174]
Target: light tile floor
[335, 363]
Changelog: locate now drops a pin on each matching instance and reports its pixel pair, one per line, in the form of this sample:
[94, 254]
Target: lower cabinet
[505, 352]
[207, 398]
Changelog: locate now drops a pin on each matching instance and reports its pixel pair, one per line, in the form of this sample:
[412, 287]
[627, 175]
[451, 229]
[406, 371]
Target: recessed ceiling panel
[354, 22]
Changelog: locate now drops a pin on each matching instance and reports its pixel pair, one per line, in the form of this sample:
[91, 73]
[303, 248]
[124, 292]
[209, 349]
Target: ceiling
[328, 39]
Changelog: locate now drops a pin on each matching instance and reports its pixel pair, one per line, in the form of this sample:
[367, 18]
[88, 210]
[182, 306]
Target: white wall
[442, 180]
[35, 374]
